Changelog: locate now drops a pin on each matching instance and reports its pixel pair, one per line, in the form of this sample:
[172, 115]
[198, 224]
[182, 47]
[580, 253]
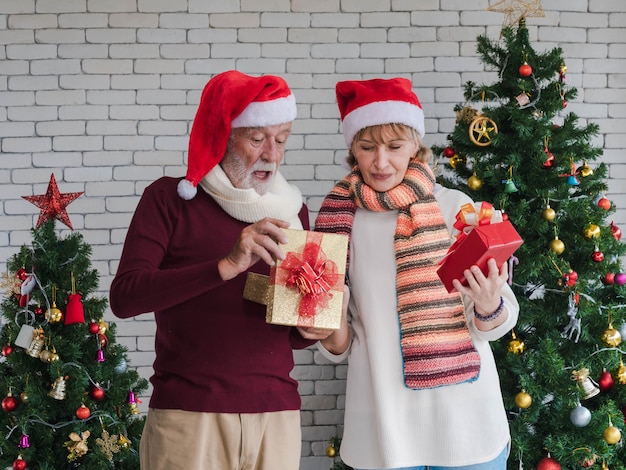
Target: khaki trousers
[176, 439]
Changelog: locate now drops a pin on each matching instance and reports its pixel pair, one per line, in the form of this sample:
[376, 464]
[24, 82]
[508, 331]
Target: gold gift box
[306, 288]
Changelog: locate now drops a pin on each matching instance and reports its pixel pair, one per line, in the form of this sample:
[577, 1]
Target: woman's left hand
[484, 291]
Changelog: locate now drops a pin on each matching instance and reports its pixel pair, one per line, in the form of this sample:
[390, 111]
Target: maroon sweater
[214, 350]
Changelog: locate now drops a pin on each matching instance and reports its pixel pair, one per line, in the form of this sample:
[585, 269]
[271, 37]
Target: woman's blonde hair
[402, 131]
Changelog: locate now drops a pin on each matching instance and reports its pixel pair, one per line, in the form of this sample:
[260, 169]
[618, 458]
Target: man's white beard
[243, 178]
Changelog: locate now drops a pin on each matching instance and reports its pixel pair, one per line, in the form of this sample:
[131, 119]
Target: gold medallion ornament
[481, 130]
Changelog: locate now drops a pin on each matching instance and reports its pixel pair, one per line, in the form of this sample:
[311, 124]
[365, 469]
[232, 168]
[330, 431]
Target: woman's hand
[335, 341]
[485, 292]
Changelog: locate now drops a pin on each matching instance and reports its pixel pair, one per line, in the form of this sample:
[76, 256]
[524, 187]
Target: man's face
[253, 155]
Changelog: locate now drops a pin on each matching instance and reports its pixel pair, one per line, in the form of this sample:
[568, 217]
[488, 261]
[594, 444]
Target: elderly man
[222, 395]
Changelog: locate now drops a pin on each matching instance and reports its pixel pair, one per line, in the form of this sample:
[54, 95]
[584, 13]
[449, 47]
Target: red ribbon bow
[313, 276]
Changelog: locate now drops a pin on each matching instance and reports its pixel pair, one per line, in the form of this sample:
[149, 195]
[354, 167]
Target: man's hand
[257, 241]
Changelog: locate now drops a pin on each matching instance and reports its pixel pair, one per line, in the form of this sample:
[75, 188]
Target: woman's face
[383, 161]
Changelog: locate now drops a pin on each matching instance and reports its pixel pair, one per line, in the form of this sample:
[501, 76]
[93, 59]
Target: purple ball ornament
[620, 279]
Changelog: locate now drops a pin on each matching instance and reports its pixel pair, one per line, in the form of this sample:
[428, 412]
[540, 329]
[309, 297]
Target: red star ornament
[52, 204]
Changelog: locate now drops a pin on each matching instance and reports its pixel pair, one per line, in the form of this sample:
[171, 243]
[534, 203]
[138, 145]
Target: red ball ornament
[571, 278]
[548, 463]
[605, 382]
[6, 350]
[94, 328]
[21, 274]
[38, 310]
[608, 279]
[9, 403]
[96, 393]
[525, 70]
[597, 256]
[82, 412]
[616, 231]
[448, 152]
[604, 203]
[19, 464]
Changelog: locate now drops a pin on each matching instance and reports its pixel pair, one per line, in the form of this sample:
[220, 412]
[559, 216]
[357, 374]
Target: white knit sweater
[388, 425]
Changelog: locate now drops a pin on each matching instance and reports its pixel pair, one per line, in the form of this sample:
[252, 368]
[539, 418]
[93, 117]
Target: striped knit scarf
[436, 346]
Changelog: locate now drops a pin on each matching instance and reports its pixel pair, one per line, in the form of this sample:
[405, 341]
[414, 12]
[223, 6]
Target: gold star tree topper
[515, 10]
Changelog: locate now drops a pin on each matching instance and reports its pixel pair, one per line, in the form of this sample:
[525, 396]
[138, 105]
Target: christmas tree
[70, 399]
[516, 146]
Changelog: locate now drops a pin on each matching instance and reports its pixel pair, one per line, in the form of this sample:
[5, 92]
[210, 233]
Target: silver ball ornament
[122, 366]
[580, 416]
[622, 330]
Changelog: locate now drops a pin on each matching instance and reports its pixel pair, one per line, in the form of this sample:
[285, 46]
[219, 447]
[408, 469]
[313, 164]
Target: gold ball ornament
[548, 214]
[330, 451]
[591, 231]
[103, 327]
[612, 435]
[474, 183]
[54, 315]
[482, 130]
[523, 400]
[556, 246]
[516, 345]
[611, 337]
[24, 397]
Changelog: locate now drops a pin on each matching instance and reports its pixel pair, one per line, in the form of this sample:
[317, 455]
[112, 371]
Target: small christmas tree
[516, 146]
[70, 400]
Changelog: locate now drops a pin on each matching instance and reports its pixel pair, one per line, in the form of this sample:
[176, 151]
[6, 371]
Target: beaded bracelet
[491, 316]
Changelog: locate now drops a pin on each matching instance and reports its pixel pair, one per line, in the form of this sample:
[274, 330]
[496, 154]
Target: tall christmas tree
[69, 397]
[516, 146]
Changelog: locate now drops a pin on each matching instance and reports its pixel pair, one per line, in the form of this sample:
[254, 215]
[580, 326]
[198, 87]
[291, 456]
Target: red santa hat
[230, 100]
[365, 103]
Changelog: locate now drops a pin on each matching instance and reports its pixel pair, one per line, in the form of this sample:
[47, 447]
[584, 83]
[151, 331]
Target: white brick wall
[103, 92]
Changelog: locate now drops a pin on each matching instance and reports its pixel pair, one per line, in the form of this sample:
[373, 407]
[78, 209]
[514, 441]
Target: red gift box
[493, 237]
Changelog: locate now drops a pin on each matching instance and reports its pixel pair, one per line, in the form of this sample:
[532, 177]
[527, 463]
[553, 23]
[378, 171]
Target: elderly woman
[422, 388]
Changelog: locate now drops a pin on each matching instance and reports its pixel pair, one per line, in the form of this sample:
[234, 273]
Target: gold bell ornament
[58, 389]
[584, 170]
[516, 346]
[589, 387]
[54, 314]
[456, 160]
[124, 442]
[36, 344]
